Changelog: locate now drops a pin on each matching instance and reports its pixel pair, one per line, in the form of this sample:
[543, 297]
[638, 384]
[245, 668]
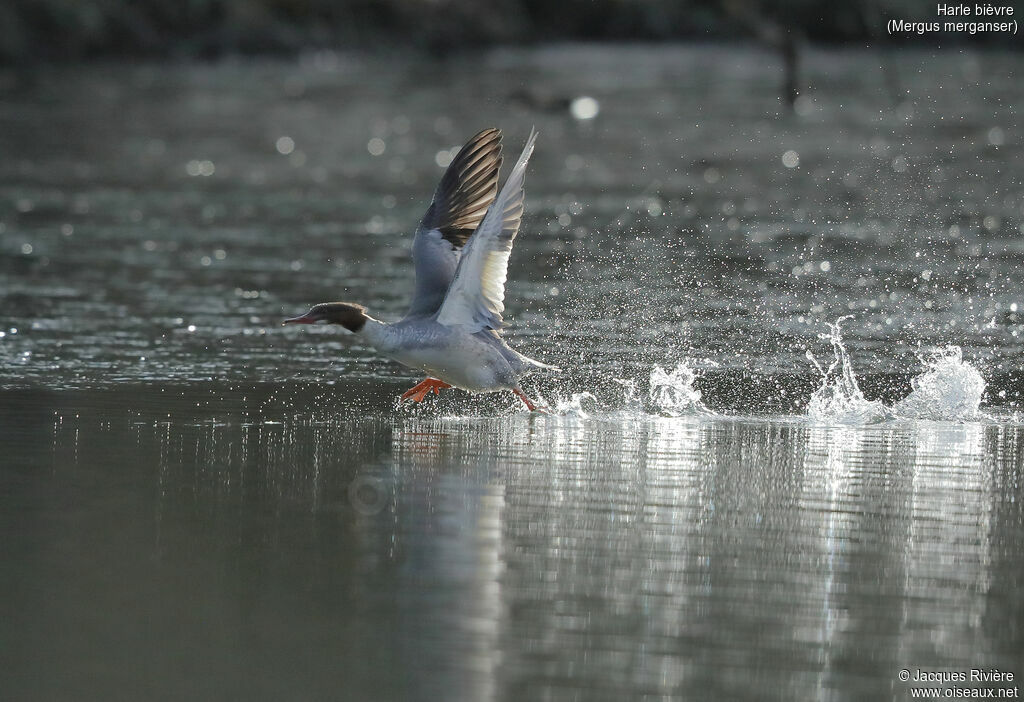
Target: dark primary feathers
[460, 202]
[467, 188]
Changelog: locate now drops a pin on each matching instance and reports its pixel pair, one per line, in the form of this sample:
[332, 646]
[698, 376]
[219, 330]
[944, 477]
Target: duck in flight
[452, 331]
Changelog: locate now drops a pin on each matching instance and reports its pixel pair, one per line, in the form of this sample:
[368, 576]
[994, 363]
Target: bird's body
[460, 252]
[478, 362]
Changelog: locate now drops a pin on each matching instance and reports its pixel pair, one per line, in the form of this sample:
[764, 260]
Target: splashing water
[949, 388]
[672, 394]
[839, 399]
[580, 405]
[631, 400]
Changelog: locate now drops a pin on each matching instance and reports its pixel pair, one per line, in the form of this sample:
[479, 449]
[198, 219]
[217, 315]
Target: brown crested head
[347, 314]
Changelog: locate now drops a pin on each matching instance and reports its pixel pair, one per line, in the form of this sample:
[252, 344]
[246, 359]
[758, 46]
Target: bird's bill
[304, 319]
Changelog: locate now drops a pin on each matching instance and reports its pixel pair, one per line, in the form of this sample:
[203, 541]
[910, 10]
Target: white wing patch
[476, 298]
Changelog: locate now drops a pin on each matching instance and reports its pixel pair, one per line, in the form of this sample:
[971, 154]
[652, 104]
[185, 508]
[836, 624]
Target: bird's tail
[532, 365]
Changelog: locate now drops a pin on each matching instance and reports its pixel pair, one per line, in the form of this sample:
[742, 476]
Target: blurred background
[35, 30]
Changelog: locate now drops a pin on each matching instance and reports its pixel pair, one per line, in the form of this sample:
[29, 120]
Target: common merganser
[453, 328]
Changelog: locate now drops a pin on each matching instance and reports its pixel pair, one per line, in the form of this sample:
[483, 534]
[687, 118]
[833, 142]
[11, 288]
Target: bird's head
[347, 314]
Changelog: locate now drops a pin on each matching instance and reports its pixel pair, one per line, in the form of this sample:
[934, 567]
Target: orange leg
[532, 407]
[423, 389]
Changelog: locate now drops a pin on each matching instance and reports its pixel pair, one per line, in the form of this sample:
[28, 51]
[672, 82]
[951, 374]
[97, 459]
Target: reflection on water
[225, 553]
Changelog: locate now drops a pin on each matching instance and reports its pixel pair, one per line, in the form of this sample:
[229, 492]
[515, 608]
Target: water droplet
[584, 107]
[803, 105]
[203, 168]
[443, 158]
[285, 145]
[574, 162]
[376, 146]
[791, 159]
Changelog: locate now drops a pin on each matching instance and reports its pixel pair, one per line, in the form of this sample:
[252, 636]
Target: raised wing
[476, 298]
[465, 192]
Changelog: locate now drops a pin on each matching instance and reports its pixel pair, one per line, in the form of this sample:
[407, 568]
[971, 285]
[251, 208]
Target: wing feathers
[476, 298]
[460, 202]
[466, 189]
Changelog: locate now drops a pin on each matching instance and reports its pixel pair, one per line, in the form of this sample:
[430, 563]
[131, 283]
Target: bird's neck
[377, 333]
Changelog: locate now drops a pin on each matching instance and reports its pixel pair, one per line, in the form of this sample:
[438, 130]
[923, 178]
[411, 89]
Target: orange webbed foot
[429, 385]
